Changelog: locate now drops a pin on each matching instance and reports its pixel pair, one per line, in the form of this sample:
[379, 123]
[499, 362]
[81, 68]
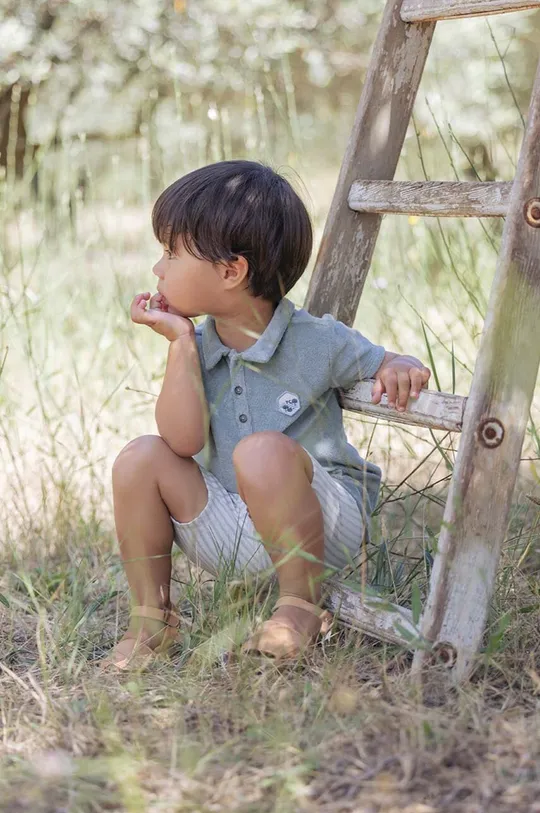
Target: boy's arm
[354, 358]
[181, 408]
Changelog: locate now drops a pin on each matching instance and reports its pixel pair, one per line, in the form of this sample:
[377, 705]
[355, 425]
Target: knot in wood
[532, 212]
[445, 653]
[491, 433]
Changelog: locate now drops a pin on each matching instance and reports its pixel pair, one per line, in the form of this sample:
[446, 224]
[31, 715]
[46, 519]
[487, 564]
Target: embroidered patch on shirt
[288, 403]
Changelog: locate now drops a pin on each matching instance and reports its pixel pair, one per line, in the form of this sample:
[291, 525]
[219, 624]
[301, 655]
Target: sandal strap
[168, 616]
[294, 601]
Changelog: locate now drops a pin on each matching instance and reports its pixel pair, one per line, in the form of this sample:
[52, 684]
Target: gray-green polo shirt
[286, 382]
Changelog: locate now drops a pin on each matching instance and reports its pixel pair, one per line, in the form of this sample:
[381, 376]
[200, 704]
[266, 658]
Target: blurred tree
[107, 69]
[14, 93]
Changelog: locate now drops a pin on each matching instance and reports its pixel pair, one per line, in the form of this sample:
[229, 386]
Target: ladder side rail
[373, 151]
[481, 490]
[415, 11]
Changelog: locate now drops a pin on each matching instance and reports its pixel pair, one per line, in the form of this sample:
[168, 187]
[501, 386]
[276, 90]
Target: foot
[294, 626]
[143, 637]
[304, 622]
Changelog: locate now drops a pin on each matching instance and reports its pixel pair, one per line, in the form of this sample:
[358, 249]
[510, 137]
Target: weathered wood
[431, 198]
[373, 151]
[482, 486]
[374, 616]
[439, 410]
[415, 11]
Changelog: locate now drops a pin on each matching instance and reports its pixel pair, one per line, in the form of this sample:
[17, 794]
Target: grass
[209, 732]
[347, 731]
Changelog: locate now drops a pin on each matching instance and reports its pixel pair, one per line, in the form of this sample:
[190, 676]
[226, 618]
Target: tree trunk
[13, 105]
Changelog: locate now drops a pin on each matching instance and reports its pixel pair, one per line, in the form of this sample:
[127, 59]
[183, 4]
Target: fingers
[404, 387]
[397, 384]
[139, 302]
[417, 382]
[160, 303]
[378, 389]
[400, 385]
[391, 384]
[157, 302]
[138, 308]
[387, 382]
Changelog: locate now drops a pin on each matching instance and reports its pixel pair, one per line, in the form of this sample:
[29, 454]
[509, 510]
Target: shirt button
[243, 418]
[238, 390]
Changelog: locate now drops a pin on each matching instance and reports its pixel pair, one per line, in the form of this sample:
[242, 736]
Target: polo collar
[263, 349]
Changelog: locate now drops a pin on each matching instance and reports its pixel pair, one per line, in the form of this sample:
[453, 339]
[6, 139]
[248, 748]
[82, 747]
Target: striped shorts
[223, 534]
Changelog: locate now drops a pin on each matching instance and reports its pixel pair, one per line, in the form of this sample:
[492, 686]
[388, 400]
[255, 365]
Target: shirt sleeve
[352, 356]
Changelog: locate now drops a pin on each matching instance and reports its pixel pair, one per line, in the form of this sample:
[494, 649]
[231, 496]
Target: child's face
[190, 285]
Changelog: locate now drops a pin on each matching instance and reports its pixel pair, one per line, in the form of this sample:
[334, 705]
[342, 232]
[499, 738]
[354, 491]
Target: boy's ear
[234, 273]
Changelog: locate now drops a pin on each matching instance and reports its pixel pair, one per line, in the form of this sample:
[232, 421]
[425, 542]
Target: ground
[349, 730]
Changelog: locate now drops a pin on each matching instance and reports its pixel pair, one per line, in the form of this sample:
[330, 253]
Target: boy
[251, 468]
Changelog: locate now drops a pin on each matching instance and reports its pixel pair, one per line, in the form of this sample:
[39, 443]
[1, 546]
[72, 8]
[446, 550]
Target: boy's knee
[266, 455]
[137, 455]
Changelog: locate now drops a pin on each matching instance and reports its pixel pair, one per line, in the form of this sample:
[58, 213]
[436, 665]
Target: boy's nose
[156, 271]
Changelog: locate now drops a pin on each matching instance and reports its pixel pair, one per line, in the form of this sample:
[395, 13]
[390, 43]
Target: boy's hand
[160, 316]
[402, 377]
[158, 301]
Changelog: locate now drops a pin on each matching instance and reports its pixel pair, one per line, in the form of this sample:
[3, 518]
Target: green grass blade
[431, 359]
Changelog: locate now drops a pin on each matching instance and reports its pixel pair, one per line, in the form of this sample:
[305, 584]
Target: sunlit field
[208, 731]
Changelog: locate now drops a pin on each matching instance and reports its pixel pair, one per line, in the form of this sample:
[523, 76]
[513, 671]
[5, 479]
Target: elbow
[184, 441]
[183, 447]
[186, 451]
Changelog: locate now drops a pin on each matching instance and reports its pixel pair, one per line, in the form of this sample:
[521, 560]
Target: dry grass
[348, 731]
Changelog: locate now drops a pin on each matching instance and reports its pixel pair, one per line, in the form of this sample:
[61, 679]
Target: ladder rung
[438, 410]
[374, 616]
[432, 198]
[417, 11]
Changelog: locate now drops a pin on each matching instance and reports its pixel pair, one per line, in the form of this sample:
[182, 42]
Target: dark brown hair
[239, 208]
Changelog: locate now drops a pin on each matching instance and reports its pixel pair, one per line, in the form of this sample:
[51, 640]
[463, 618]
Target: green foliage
[101, 68]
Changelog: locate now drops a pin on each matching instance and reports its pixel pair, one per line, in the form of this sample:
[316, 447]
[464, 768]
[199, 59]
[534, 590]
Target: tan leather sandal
[129, 655]
[280, 640]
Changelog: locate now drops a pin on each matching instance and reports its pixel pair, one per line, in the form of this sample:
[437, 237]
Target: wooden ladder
[493, 418]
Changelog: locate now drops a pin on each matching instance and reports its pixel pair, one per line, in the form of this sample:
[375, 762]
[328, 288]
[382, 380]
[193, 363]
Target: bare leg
[274, 477]
[150, 483]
